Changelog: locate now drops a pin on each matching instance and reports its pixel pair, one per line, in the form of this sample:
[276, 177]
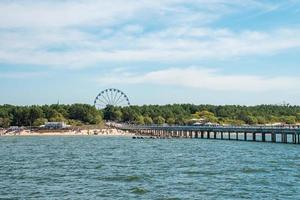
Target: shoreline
[85, 132]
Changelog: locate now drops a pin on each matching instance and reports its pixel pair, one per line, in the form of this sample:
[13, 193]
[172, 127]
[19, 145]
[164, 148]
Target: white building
[55, 125]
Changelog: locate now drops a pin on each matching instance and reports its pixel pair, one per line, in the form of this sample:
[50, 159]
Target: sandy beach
[87, 132]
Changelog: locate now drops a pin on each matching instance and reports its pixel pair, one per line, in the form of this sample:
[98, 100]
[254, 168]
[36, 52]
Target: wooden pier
[248, 133]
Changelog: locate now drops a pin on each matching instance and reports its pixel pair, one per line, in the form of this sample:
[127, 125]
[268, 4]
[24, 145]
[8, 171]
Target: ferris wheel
[111, 96]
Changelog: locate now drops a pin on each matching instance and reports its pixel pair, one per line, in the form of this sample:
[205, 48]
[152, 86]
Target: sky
[220, 52]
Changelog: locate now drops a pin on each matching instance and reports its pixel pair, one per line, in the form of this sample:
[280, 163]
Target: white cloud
[57, 13]
[64, 13]
[81, 33]
[72, 48]
[202, 78]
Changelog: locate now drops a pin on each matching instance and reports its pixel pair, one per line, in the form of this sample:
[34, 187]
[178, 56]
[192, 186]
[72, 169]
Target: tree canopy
[184, 114]
[75, 114]
[180, 114]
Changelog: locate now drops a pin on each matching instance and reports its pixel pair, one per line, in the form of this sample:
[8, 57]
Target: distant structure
[55, 125]
[111, 96]
[284, 103]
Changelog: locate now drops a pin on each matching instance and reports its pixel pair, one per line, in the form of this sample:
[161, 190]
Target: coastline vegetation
[187, 114]
[180, 114]
[75, 115]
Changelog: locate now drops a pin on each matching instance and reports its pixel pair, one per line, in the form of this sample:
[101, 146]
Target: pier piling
[289, 135]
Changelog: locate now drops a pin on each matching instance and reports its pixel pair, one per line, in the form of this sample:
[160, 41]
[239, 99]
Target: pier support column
[222, 136]
[263, 137]
[191, 134]
[294, 138]
[196, 134]
[208, 135]
[237, 136]
[273, 136]
[245, 136]
[215, 135]
[285, 138]
[229, 135]
[282, 138]
[254, 137]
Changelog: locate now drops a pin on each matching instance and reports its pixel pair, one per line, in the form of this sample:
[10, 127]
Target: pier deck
[247, 133]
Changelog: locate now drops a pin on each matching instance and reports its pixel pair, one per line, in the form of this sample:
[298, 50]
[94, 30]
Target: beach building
[55, 125]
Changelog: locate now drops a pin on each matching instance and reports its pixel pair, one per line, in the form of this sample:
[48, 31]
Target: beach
[71, 132]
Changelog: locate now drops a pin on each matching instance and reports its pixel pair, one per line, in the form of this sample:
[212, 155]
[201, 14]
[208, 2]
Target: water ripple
[122, 168]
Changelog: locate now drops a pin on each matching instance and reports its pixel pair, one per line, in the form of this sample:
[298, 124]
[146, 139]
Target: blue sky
[157, 51]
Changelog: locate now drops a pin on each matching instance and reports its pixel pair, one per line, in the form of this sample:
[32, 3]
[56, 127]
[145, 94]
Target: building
[55, 125]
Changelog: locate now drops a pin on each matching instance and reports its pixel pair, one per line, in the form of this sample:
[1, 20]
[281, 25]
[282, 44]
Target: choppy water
[122, 168]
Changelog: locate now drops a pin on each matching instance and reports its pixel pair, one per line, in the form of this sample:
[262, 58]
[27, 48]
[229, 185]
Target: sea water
[94, 167]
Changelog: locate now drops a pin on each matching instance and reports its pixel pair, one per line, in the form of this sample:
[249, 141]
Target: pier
[285, 135]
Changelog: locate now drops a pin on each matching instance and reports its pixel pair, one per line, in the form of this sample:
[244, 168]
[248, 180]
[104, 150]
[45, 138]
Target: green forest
[179, 114]
[186, 114]
[75, 115]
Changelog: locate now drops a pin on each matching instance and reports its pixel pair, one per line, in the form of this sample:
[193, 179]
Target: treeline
[185, 114]
[76, 114]
[180, 114]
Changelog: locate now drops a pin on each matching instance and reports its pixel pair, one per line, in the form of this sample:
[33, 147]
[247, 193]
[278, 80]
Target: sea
[97, 167]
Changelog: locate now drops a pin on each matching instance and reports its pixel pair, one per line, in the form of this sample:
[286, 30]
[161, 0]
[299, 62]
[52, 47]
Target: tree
[57, 117]
[171, 121]
[35, 113]
[298, 117]
[85, 113]
[4, 122]
[206, 115]
[159, 114]
[249, 120]
[5, 118]
[117, 115]
[148, 120]
[139, 120]
[159, 120]
[39, 121]
[289, 119]
[20, 116]
[261, 120]
[180, 120]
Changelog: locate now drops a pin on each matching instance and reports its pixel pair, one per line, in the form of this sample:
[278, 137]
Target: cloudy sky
[156, 51]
